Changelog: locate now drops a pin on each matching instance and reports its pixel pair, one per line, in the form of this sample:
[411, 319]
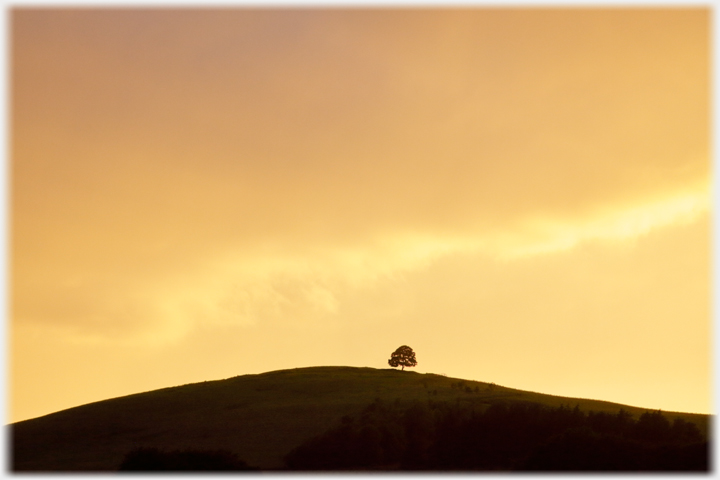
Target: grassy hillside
[258, 417]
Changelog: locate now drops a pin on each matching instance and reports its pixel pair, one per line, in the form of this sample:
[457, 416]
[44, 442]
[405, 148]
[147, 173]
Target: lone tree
[404, 357]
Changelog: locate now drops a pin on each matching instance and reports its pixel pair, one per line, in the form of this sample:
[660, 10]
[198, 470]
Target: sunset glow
[520, 195]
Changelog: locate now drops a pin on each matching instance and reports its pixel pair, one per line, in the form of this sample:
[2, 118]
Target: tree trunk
[403, 367]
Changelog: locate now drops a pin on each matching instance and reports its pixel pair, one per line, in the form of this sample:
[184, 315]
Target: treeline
[511, 437]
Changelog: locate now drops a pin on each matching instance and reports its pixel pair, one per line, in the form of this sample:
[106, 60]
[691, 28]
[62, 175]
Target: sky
[520, 195]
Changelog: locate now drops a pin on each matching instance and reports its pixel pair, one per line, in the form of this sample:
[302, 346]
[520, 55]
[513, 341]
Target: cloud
[317, 153]
[303, 285]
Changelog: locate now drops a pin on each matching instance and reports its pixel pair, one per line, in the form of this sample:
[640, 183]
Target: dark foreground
[439, 436]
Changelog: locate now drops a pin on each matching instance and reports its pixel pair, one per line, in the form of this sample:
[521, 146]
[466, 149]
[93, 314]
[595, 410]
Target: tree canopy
[403, 357]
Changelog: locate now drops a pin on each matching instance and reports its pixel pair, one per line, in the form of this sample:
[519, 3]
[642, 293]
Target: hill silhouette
[257, 419]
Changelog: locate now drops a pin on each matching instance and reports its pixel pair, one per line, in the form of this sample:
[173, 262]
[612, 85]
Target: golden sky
[522, 196]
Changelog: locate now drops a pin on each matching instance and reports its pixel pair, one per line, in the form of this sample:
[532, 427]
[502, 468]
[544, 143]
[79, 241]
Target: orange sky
[522, 196]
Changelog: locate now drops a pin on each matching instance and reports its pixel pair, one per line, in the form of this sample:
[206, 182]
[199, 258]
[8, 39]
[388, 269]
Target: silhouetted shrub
[153, 459]
[653, 427]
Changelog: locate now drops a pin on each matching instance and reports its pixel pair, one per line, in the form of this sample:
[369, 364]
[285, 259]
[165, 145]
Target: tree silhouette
[404, 357]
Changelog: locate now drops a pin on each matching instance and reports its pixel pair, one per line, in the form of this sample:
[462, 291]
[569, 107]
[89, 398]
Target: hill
[258, 417]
